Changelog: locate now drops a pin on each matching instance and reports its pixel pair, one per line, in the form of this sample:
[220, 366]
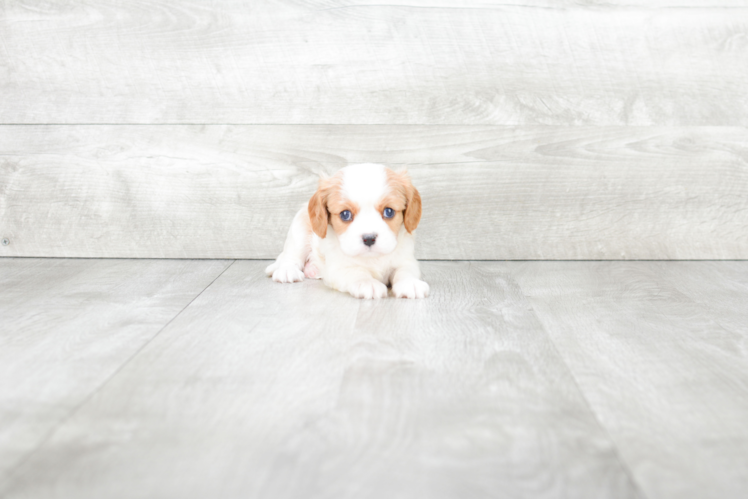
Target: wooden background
[534, 129]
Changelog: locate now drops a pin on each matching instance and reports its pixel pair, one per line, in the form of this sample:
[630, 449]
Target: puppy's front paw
[368, 289]
[286, 273]
[410, 288]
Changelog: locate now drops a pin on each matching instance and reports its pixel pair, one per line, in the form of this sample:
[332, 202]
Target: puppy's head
[366, 205]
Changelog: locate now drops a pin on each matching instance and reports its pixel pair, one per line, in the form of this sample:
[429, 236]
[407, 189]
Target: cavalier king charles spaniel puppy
[356, 234]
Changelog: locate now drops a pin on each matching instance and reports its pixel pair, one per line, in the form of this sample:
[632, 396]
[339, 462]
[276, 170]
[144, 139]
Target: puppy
[356, 234]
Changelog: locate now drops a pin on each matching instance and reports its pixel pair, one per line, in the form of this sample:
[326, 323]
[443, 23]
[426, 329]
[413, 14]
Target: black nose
[369, 239]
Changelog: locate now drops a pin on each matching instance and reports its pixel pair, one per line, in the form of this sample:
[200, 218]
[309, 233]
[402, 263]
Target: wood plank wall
[534, 129]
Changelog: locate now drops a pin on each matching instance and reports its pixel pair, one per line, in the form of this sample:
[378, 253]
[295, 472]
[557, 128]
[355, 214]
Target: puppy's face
[366, 205]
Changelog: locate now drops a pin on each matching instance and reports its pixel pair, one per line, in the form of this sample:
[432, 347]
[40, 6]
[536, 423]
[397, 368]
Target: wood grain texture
[69, 325]
[262, 389]
[362, 62]
[489, 192]
[660, 350]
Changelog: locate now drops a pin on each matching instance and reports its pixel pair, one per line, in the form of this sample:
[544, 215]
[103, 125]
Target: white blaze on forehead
[365, 183]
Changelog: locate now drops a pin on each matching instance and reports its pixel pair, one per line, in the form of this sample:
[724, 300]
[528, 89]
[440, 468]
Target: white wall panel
[362, 62]
[489, 192]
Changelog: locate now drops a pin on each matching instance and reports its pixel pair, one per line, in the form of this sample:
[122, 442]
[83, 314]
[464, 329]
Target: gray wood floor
[204, 378]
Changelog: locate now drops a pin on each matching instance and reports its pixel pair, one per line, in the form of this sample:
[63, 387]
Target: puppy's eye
[346, 215]
[388, 213]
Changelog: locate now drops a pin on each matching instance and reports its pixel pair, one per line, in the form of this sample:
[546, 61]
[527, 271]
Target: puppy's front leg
[358, 282]
[289, 265]
[407, 283]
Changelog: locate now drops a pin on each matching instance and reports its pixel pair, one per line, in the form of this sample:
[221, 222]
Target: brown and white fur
[321, 245]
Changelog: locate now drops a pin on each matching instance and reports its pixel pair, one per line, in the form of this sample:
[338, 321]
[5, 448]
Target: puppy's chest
[331, 263]
[382, 274]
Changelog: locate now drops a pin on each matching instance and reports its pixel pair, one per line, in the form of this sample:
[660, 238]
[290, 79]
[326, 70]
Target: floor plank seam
[616, 448]
[71, 414]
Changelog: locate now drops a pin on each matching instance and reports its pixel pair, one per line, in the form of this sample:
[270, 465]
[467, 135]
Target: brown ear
[412, 209]
[318, 214]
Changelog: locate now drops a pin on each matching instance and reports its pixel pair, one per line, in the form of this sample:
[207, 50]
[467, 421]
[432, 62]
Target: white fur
[344, 262]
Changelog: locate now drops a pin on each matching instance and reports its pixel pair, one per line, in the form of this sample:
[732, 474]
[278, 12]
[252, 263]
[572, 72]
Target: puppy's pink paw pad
[311, 271]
